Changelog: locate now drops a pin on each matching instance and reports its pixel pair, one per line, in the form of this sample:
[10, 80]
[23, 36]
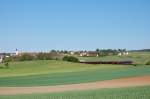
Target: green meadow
[44, 73]
[57, 72]
[27, 68]
[139, 58]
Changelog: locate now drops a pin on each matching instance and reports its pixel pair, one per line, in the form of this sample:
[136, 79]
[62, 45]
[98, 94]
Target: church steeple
[16, 52]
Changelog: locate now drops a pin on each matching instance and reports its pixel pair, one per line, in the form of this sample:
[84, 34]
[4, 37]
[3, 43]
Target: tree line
[106, 52]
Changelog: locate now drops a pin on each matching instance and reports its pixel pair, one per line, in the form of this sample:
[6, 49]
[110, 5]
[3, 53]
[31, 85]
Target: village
[97, 53]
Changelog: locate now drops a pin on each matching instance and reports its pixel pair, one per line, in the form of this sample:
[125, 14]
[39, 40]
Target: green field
[27, 68]
[44, 73]
[137, 57]
[116, 93]
[49, 67]
[52, 72]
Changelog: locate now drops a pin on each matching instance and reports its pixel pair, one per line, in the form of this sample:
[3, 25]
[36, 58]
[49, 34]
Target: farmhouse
[72, 53]
[83, 53]
[2, 55]
[1, 59]
[123, 53]
[92, 53]
[89, 53]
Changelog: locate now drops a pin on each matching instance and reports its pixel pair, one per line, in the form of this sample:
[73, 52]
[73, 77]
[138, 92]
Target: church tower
[16, 52]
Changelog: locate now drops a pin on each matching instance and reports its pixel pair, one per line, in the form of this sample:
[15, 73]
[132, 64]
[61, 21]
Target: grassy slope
[49, 67]
[35, 73]
[74, 77]
[118, 93]
[137, 57]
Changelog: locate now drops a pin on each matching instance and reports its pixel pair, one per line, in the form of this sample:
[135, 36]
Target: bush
[6, 64]
[137, 63]
[26, 57]
[44, 56]
[70, 59]
[8, 59]
[147, 63]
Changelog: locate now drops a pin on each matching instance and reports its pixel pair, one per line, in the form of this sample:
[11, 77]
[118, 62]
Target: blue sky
[42, 25]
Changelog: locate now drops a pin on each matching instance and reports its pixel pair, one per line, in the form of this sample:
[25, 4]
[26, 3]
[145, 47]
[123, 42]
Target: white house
[72, 53]
[127, 53]
[83, 54]
[16, 52]
[119, 54]
[1, 59]
[123, 53]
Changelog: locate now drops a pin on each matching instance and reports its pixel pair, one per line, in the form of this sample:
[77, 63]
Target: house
[119, 54]
[89, 53]
[84, 53]
[1, 59]
[126, 53]
[77, 53]
[71, 53]
[93, 54]
[123, 53]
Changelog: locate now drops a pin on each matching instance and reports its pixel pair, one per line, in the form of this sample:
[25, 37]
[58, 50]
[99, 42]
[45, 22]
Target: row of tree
[99, 51]
[106, 52]
[39, 56]
[29, 56]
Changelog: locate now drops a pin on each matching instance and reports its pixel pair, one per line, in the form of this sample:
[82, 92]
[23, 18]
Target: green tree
[70, 59]
[147, 62]
[6, 64]
[26, 57]
[6, 61]
[44, 56]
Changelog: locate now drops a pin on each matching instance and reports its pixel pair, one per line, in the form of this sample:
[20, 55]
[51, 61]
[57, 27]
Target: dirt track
[116, 83]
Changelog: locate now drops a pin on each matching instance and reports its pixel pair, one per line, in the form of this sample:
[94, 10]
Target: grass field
[117, 93]
[137, 57]
[52, 72]
[43, 73]
[27, 68]
[49, 67]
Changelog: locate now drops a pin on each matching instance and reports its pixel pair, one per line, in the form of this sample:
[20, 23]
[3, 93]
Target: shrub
[148, 62]
[136, 64]
[6, 61]
[70, 59]
[44, 56]
[6, 64]
[26, 57]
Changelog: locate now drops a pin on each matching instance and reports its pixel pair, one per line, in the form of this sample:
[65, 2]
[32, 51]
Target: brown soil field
[115, 83]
